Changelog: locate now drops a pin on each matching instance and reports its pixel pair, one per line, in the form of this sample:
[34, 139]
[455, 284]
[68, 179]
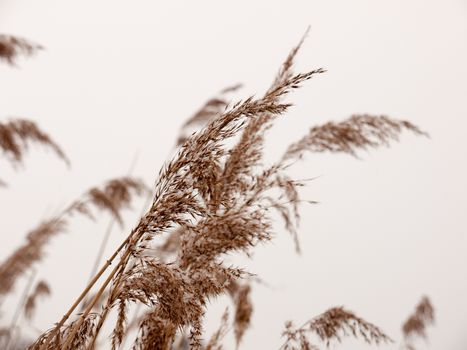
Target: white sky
[119, 78]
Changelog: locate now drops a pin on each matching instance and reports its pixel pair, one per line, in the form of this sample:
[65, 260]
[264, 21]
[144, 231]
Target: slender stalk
[99, 255]
[19, 307]
[102, 247]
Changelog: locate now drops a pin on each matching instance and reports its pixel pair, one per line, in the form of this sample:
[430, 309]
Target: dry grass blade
[358, 132]
[42, 290]
[332, 325]
[17, 134]
[418, 321]
[12, 47]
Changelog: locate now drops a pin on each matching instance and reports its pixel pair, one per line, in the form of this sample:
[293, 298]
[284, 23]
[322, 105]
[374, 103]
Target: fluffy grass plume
[416, 324]
[16, 136]
[12, 47]
[41, 290]
[332, 325]
[212, 199]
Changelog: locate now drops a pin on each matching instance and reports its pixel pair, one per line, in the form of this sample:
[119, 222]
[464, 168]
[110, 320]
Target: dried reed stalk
[212, 200]
[175, 199]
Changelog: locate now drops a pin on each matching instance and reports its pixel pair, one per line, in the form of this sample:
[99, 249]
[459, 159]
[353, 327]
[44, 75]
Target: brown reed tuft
[182, 191]
[24, 257]
[332, 325]
[416, 324]
[16, 136]
[11, 47]
[114, 196]
[211, 200]
[353, 134]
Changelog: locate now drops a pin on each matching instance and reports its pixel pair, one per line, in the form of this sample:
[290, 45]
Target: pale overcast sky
[118, 78]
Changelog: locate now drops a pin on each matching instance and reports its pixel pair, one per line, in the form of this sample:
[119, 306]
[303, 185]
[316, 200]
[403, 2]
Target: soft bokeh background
[118, 79]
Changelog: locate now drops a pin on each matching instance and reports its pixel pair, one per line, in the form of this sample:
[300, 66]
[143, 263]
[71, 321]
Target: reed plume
[11, 47]
[17, 135]
[211, 109]
[359, 132]
[215, 342]
[332, 325]
[41, 290]
[240, 294]
[416, 324]
[213, 199]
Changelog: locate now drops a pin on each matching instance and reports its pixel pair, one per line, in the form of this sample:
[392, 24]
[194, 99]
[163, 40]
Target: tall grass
[215, 197]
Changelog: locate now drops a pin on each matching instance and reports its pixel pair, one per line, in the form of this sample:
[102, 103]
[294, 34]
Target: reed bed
[215, 197]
